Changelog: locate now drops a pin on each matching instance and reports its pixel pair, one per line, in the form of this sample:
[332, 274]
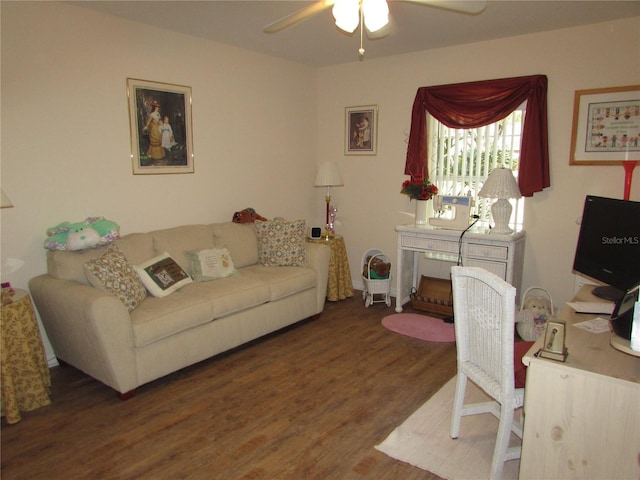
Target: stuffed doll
[379, 268]
[533, 317]
[90, 233]
[248, 215]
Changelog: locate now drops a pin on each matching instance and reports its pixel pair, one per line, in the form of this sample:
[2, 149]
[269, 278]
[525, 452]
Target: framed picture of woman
[361, 130]
[161, 128]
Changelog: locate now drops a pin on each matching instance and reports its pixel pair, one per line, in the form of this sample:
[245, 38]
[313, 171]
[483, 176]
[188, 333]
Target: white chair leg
[458, 401]
[502, 442]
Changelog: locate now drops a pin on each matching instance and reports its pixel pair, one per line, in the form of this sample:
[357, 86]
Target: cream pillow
[113, 274]
[162, 275]
[282, 243]
[210, 264]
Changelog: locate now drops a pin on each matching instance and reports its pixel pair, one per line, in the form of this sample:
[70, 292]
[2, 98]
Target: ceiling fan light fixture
[376, 14]
[347, 14]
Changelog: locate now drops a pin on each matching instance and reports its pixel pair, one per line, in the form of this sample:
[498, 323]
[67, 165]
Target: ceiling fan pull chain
[361, 51]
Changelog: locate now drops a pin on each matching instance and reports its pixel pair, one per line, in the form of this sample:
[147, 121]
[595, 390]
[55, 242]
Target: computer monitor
[608, 248]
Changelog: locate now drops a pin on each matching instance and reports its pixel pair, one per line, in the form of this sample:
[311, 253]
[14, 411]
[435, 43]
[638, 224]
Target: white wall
[65, 129]
[370, 205]
[260, 126]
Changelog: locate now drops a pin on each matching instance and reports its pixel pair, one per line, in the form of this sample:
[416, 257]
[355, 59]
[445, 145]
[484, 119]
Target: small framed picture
[161, 129]
[606, 126]
[361, 130]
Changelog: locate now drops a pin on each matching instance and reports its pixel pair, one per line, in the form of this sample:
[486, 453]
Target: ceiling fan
[374, 14]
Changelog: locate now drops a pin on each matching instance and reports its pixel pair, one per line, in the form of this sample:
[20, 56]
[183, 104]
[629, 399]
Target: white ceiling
[318, 42]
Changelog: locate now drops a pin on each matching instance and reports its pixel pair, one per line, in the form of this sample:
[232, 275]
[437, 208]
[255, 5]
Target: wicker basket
[434, 295]
[528, 326]
[374, 285]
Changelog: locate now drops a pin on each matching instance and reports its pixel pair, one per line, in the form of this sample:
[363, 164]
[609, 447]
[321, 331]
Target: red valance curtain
[475, 104]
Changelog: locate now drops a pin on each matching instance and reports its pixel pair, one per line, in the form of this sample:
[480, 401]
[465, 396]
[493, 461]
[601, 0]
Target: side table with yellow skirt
[339, 286]
[24, 369]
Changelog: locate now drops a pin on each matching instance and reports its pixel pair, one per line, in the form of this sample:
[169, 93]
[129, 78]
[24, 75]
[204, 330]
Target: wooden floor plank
[308, 402]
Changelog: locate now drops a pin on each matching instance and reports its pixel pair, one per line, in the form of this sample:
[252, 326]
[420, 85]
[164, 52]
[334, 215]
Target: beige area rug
[423, 439]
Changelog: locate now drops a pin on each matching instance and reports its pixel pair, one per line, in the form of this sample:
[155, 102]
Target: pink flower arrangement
[418, 189]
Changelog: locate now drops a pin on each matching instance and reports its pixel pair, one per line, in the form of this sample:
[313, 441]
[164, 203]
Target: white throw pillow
[210, 264]
[162, 275]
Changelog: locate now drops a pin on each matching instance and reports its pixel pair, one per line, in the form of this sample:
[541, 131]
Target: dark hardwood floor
[309, 402]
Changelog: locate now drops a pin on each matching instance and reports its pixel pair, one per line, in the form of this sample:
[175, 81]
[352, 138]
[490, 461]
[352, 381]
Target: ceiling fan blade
[298, 16]
[462, 6]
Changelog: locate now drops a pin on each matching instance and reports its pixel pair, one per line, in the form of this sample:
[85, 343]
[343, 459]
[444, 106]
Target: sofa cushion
[176, 241]
[69, 265]
[162, 275]
[240, 239]
[158, 318]
[233, 294]
[283, 281]
[137, 247]
[210, 264]
[113, 274]
[281, 243]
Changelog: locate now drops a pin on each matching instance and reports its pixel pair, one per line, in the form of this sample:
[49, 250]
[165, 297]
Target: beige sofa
[95, 332]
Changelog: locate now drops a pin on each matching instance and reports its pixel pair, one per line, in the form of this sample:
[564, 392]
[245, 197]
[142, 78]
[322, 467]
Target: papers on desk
[595, 325]
[595, 308]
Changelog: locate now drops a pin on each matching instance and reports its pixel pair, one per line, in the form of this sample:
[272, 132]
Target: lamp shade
[500, 184]
[328, 175]
[5, 202]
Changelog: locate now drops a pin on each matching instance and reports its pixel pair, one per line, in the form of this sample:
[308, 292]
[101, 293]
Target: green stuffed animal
[90, 233]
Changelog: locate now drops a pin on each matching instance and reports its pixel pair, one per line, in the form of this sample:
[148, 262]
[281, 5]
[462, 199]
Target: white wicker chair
[484, 307]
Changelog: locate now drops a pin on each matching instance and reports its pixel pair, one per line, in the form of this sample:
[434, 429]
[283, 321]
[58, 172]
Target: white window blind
[460, 160]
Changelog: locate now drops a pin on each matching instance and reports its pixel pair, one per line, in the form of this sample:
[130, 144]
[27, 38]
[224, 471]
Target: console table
[582, 417]
[500, 254]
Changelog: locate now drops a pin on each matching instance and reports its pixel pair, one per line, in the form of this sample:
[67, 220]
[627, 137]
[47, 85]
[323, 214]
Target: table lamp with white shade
[500, 184]
[328, 176]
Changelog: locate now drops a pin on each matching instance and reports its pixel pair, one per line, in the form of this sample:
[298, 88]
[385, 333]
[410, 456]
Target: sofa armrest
[88, 328]
[318, 256]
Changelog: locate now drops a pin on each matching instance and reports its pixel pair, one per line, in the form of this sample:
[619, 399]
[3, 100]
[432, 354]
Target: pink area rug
[419, 326]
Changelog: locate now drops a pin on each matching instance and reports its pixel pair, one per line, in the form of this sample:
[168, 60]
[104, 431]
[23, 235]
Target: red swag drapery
[475, 104]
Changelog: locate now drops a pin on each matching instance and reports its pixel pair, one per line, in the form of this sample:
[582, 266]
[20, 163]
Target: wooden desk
[339, 285]
[25, 373]
[500, 254]
[582, 417]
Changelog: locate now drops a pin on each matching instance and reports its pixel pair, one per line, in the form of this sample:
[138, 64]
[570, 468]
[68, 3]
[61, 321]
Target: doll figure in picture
[166, 131]
[152, 126]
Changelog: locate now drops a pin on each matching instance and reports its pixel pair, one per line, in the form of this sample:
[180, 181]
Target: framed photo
[361, 130]
[606, 126]
[160, 125]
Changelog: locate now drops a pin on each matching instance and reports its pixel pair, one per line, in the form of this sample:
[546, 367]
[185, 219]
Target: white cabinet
[500, 254]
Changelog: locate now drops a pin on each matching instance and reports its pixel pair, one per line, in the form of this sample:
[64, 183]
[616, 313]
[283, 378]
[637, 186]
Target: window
[460, 160]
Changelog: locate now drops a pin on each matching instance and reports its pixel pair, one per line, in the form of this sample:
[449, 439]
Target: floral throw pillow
[113, 274]
[281, 243]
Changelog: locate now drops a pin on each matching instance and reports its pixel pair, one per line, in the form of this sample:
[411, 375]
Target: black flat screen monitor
[608, 247]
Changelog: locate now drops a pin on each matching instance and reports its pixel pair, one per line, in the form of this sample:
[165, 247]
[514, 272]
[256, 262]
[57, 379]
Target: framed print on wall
[160, 125]
[606, 126]
[361, 130]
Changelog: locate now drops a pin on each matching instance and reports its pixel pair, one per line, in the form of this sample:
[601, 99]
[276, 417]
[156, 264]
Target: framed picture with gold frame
[161, 127]
[606, 126]
[361, 130]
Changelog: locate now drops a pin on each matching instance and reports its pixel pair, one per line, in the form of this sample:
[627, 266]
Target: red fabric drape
[475, 104]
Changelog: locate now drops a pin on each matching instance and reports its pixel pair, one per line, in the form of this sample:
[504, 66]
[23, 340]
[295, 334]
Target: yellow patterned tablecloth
[24, 369]
[339, 285]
